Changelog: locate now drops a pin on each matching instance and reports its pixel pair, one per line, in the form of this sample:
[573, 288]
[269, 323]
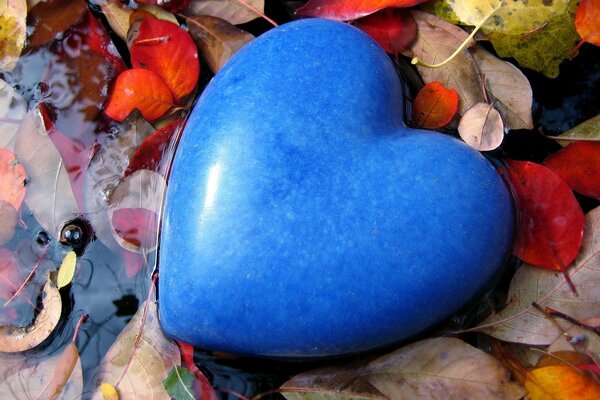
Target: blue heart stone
[304, 219]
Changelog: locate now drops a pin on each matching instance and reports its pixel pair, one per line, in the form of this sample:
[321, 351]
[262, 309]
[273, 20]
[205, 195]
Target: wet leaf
[179, 383]
[49, 194]
[561, 382]
[204, 390]
[66, 270]
[134, 208]
[579, 165]
[139, 89]
[13, 14]
[12, 110]
[481, 127]
[217, 39]
[587, 21]
[12, 179]
[507, 86]
[171, 5]
[550, 222]
[345, 10]
[393, 28]
[521, 322]
[8, 226]
[170, 52]
[589, 129]
[51, 18]
[11, 276]
[232, 11]
[109, 392]
[148, 360]
[435, 106]
[580, 339]
[117, 14]
[15, 339]
[159, 12]
[155, 150]
[97, 38]
[436, 41]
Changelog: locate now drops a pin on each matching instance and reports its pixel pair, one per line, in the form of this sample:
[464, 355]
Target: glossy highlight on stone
[304, 219]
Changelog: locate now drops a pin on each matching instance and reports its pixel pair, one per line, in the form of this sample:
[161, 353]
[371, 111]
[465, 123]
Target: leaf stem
[256, 11]
[26, 281]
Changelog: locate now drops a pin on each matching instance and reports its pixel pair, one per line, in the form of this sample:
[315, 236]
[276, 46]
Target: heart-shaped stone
[303, 219]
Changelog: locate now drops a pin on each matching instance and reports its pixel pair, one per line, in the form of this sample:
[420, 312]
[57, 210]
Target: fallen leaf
[10, 274]
[179, 383]
[49, 194]
[582, 339]
[169, 51]
[520, 322]
[12, 179]
[393, 28]
[133, 262]
[204, 390]
[445, 368]
[117, 14]
[561, 382]
[8, 226]
[232, 11]
[579, 165]
[587, 21]
[436, 41]
[97, 38]
[66, 270]
[15, 339]
[156, 151]
[148, 359]
[507, 86]
[12, 111]
[345, 10]
[171, 5]
[550, 223]
[217, 39]
[139, 89]
[109, 392]
[435, 106]
[589, 129]
[159, 12]
[134, 209]
[481, 127]
[65, 365]
[53, 17]
[13, 15]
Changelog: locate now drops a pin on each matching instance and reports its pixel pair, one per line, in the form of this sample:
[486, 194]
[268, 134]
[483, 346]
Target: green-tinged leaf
[66, 270]
[589, 129]
[12, 32]
[179, 383]
[442, 9]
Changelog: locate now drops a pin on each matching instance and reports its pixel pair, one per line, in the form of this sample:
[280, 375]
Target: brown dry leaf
[52, 17]
[49, 194]
[13, 14]
[117, 14]
[15, 339]
[57, 377]
[232, 11]
[481, 127]
[586, 339]
[506, 85]
[148, 365]
[9, 218]
[217, 39]
[436, 41]
[521, 322]
[12, 110]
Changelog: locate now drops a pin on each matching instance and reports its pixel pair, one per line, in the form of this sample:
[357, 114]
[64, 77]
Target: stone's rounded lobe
[303, 219]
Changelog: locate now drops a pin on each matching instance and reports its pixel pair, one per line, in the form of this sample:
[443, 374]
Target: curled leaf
[345, 10]
[12, 32]
[579, 165]
[435, 106]
[587, 21]
[393, 28]
[14, 339]
[66, 270]
[481, 127]
[12, 179]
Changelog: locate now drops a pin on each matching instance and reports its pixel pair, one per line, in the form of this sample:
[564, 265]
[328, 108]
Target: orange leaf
[12, 179]
[170, 52]
[587, 21]
[579, 165]
[561, 382]
[394, 29]
[141, 89]
[344, 10]
[435, 106]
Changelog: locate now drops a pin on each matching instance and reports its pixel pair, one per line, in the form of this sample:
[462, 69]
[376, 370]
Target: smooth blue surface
[303, 219]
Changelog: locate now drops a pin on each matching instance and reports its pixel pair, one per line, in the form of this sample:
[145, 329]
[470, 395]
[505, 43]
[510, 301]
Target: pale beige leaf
[13, 14]
[436, 41]
[13, 109]
[232, 11]
[49, 194]
[585, 339]
[66, 270]
[148, 365]
[117, 14]
[217, 39]
[506, 85]
[442, 368]
[56, 377]
[481, 127]
[8, 224]
[587, 130]
[521, 322]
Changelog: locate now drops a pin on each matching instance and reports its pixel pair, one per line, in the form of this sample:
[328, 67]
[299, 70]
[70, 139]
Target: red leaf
[345, 10]
[579, 165]
[171, 5]
[12, 179]
[137, 226]
[587, 21]
[393, 28]
[97, 38]
[205, 390]
[550, 221]
[141, 89]
[151, 153]
[51, 18]
[10, 274]
[170, 52]
[435, 106]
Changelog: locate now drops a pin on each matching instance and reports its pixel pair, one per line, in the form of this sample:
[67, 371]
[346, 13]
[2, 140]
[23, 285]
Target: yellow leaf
[561, 382]
[109, 392]
[67, 270]
[12, 32]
